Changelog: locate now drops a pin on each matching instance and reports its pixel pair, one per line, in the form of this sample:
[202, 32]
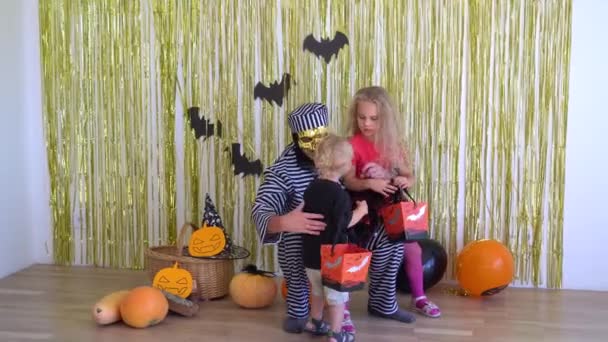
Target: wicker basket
[211, 276]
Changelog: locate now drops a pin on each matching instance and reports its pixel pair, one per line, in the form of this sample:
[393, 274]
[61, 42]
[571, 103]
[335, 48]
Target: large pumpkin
[144, 306]
[207, 241]
[253, 288]
[174, 280]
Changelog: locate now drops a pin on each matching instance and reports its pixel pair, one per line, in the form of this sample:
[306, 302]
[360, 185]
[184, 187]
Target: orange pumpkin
[144, 306]
[284, 290]
[253, 288]
[177, 281]
[207, 241]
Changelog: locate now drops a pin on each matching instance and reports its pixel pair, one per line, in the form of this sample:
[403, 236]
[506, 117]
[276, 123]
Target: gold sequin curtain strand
[192, 76]
[54, 39]
[166, 44]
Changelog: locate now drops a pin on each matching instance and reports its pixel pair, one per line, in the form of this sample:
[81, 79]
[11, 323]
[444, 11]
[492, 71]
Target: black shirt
[331, 200]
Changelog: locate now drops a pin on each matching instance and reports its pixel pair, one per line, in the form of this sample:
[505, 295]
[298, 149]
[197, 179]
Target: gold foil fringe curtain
[481, 86]
[516, 129]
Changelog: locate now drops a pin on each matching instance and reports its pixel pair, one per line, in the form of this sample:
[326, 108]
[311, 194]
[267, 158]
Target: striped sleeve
[271, 200]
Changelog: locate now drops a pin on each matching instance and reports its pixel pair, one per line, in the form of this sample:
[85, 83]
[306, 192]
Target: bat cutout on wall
[242, 164]
[203, 127]
[275, 92]
[325, 48]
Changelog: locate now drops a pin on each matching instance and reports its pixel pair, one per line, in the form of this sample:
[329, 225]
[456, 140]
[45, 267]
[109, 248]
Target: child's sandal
[426, 307]
[339, 337]
[320, 327]
[348, 336]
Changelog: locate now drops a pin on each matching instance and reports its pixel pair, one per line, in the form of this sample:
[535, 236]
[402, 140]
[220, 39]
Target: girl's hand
[382, 186]
[375, 171]
[362, 208]
[402, 182]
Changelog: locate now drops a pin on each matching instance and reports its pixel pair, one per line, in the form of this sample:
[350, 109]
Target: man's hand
[297, 221]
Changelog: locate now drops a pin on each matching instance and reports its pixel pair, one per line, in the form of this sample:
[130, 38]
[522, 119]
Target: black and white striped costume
[281, 191]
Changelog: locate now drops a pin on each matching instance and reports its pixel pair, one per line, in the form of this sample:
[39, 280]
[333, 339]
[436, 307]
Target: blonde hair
[392, 151]
[334, 154]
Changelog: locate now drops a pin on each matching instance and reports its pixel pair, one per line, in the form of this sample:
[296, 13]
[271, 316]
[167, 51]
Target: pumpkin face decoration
[253, 288]
[177, 281]
[207, 241]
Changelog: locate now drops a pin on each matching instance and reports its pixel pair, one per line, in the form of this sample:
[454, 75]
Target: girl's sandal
[340, 337]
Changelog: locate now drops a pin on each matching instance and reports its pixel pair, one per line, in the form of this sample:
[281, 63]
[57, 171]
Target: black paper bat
[203, 127]
[325, 48]
[275, 92]
[244, 165]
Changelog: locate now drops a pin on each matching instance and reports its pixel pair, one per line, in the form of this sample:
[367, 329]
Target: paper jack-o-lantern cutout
[207, 241]
[406, 221]
[345, 269]
[177, 281]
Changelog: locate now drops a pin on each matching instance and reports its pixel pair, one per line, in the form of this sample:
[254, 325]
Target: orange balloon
[284, 289]
[484, 267]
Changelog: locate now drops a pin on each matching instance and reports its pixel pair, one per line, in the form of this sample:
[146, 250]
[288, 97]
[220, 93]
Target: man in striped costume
[278, 215]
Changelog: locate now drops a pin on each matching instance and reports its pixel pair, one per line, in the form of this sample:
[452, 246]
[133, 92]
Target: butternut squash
[107, 309]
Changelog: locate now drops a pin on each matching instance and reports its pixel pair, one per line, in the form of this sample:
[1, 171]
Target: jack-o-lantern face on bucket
[207, 241]
[174, 280]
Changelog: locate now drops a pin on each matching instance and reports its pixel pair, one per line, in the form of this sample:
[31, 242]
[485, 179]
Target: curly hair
[334, 154]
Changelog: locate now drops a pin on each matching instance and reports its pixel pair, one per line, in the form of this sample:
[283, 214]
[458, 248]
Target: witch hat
[212, 218]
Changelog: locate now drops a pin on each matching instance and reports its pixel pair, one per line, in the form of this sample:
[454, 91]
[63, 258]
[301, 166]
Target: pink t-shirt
[364, 152]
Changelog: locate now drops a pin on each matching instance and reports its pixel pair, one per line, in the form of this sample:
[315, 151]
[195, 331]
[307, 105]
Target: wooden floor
[50, 303]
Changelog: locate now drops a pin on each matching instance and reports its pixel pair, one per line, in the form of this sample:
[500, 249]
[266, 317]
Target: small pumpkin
[174, 280]
[207, 241]
[144, 306]
[253, 288]
[284, 290]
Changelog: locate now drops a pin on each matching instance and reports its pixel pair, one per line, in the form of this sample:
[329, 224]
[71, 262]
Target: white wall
[38, 185]
[24, 210]
[15, 251]
[586, 205]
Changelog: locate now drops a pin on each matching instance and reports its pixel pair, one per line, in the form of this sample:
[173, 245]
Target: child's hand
[382, 186]
[402, 182]
[375, 171]
[359, 212]
[362, 207]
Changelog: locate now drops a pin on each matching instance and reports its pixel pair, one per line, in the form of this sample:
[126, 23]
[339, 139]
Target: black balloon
[434, 264]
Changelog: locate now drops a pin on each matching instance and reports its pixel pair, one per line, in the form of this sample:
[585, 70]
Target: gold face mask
[310, 139]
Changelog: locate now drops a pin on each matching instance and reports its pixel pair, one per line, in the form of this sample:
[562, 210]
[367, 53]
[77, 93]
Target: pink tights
[413, 267]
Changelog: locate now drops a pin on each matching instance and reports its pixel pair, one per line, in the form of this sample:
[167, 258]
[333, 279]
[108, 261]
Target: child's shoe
[347, 323]
[426, 307]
